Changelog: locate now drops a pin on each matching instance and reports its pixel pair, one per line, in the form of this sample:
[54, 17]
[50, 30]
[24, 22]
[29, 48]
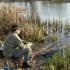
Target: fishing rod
[25, 42]
[41, 40]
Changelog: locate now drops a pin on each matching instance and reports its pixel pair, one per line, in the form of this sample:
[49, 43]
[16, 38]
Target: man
[14, 47]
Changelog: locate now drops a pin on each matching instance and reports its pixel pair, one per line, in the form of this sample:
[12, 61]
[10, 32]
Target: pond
[45, 10]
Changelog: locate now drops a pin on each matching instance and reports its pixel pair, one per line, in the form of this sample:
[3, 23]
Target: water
[45, 10]
[57, 48]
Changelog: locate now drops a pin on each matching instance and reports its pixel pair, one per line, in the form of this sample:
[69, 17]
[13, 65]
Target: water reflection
[55, 10]
[45, 10]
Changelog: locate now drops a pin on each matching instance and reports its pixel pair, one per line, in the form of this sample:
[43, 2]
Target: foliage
[8, 16]
[32, 29]
[58, 61]
[54, 37]
[33, 32]
[68, 53]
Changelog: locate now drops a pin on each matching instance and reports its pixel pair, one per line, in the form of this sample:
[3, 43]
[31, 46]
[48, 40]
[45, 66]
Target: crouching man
[14, 47]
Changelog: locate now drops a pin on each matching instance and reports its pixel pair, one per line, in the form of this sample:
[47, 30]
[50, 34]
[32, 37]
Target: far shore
[34, 0]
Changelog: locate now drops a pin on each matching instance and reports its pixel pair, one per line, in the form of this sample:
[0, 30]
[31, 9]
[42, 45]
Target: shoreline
[34, 0]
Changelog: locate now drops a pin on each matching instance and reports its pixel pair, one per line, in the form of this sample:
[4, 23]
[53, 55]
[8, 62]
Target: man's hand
[29, 44]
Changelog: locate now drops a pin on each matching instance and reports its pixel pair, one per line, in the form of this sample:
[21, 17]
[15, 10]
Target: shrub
[8, 16]
[33, 30]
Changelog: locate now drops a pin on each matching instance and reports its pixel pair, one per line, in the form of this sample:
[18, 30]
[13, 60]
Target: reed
[58, 61]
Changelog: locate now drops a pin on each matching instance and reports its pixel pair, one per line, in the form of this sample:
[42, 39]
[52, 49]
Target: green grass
[58, 61]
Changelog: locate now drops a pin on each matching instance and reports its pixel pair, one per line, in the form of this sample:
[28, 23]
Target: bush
[33, 30]
[8, 16]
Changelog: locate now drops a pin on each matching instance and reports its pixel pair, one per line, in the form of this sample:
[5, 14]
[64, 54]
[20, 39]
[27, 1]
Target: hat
[14, 26]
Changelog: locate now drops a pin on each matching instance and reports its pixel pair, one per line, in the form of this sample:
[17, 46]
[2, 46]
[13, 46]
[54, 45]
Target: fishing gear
[25, 42]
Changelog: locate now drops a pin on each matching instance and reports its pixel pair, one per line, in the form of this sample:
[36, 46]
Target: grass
[58, 61]
[31, 28]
